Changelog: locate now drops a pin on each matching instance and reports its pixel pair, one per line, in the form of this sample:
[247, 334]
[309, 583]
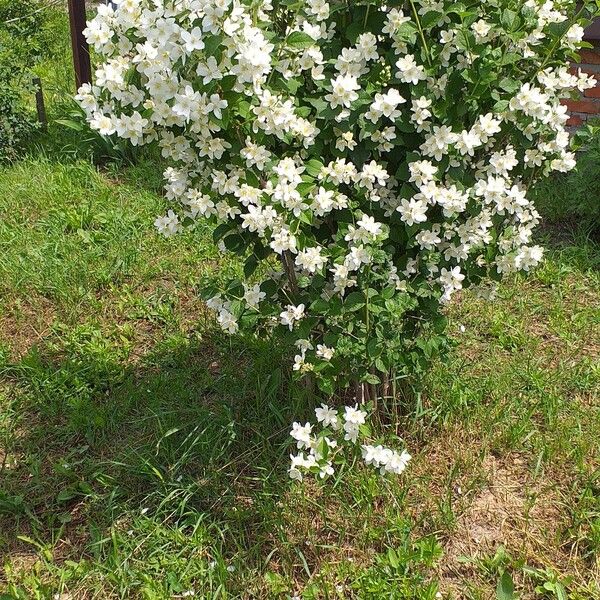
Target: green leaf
[371, 378]
[354, 301]
[211, 44]
[561, 592]
[66, 494]
[457, 8]
[320, 105]
[250, 265]
[373, 347]
[243, 109]
[430, 19]
[464, 40]
[559, 29]
[388, 292]
[325, 385]
[300, 40]
[313, 167]
[509, 58]
[393, 558]
[75, 125]
[235, 243]
[381, 366]
[269, 287]
[353, 31]
[220, 231]
[501, 106]
[505, 590]
[509, 85]
[510, 19]
[407, 32]
[293, 85]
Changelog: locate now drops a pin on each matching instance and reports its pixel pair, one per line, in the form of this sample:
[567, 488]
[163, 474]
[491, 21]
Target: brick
[593, 92]
[583, 106]
[590, 56]
[586, 68]
[574, 70]
[574, 121]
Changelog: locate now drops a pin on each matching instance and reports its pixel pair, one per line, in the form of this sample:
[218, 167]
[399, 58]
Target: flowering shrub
[324, 449]
[367, 159]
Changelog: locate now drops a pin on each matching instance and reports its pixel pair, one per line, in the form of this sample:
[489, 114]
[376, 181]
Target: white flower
[283, 240]
[302, 434]
[352, 414]
[209, 71]
[103, 124]
[345, 141]
[193, 39]
[325, 352]
[168, 225]
[343, 91]
[253, 295]
[386, 105]
[311, 259]
[574, 36]
[351, 431]
[395, 18]
[227, 321]
[326, 470]
[319, 8]
[366, 44]
[292, 314]
[422, 171]
[529, 257]
[481, 28]
[409, 71]
[413, 211]
[294, 471]
[467, 142]
[367, 231]
[451, 280]
[328, 416]
[385, 459]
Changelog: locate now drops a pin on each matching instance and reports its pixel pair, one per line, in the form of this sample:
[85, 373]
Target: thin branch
[50, 5]
[288, 266]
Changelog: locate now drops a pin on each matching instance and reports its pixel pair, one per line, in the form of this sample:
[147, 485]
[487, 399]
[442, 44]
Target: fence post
[81, 52]
[39, 103]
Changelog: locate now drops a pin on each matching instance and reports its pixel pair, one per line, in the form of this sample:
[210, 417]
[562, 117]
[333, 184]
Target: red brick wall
[588, 106]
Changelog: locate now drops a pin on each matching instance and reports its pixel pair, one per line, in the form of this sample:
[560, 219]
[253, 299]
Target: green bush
[574, 198]
[16, 121]
[23, 40]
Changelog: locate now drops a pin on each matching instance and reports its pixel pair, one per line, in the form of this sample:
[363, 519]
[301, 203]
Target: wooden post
[81, 52]
[39, 103]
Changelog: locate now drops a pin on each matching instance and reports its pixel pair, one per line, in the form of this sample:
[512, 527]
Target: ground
[143, 453]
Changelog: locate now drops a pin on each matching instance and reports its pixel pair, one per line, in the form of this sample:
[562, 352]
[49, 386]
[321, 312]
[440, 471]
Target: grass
[143, 454]
[573, 197]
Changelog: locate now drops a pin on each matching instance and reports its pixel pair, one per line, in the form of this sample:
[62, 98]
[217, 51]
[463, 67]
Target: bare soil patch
[511, 510]
[24, 323]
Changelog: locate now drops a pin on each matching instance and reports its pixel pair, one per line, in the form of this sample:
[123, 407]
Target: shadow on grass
[193, 433]
[575, 241]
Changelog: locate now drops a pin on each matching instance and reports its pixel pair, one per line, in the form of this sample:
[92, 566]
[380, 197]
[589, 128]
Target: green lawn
[143, 453]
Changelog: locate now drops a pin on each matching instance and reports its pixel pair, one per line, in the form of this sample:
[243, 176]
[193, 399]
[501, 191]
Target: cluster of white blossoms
[320, 451]
[380, 147]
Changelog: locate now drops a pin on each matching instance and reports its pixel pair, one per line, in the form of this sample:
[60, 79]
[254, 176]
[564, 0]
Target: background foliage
[22, 42]
[575, 197]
